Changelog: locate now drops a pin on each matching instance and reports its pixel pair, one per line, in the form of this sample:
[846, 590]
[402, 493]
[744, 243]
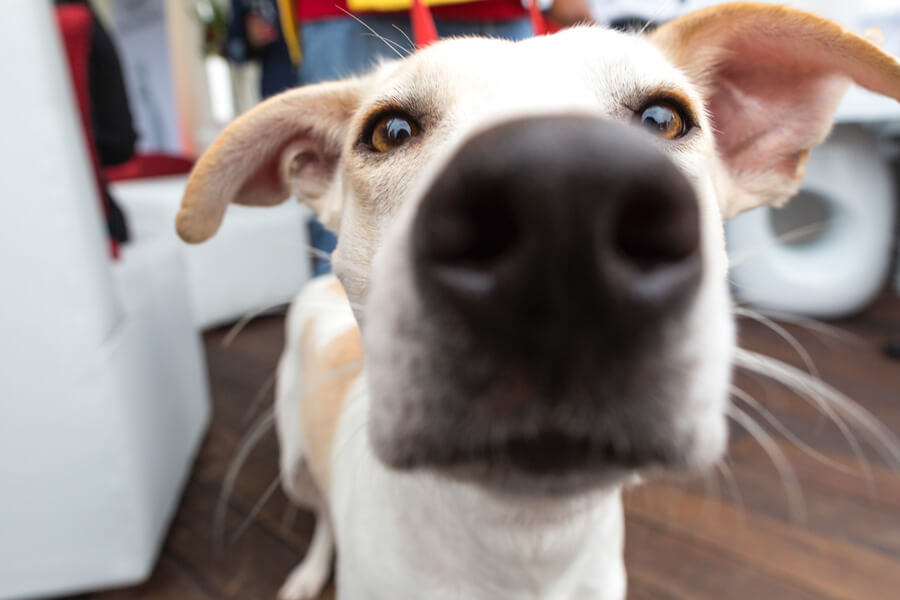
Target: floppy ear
[288, 145]
[772, 78]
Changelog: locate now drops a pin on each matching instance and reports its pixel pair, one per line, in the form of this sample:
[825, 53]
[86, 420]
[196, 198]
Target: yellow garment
[394, 5]
[289, 21]
[289, 29]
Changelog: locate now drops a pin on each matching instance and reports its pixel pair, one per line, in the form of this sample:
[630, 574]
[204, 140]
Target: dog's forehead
[584, 66]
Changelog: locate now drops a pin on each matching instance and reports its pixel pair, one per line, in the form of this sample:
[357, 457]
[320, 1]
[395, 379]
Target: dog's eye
[392, 131]
[665, 120]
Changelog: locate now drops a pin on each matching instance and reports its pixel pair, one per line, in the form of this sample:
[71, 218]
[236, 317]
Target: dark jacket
[111, 121]
[278, 71]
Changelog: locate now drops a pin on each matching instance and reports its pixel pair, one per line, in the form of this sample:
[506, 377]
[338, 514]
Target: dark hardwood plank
[694, 540]
[682, 568]
[825, 565]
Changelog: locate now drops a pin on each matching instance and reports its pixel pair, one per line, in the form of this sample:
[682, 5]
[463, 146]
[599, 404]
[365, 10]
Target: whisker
[734, 491]
[251, 516]
[403, 33]
[655, 17]
[789, 435]
[318, 253]
[306, 247]
[793, 235]
[784, 334]
[260, 396]
[888, 446]
[395, 46]
[389, 43]
[289, 517]
[711, 491]
[246, 446]
[244, 321]
[793, 493]
[825, 332]
[788, 376]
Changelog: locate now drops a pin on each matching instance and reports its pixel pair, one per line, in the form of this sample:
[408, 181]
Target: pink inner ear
[264, 187]
[770, 104]
[309, 167]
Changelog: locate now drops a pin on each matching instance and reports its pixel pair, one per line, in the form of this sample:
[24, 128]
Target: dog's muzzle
[556, 265]
[556, 238]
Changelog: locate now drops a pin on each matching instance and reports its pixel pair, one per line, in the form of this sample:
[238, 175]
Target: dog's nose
[558, 223]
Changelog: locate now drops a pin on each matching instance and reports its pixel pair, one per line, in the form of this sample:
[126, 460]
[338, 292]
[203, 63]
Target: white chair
[258, 259]
[103, 396]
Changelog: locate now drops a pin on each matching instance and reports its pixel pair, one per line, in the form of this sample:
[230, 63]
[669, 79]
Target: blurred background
[136, 371]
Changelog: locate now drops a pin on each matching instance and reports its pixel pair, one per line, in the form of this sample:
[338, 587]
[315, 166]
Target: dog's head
[532, 231]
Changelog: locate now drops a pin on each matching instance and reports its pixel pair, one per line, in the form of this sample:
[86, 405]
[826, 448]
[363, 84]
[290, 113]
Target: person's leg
[324, 242]
[517, 29]
[336, 48]
[341, 47]
[324, 51]
[278, 71]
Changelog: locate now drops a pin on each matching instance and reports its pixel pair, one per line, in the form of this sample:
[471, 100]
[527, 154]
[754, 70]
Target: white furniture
[103, 397]
[259, 258]
[844, 266]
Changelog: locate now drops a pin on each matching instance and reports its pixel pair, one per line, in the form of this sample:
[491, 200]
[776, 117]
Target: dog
[530, 308]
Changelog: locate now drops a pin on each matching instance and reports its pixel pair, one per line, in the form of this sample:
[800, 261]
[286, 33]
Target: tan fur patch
[337, 289]
[760, 66]
[327, 377]
[246, 164]
[697, 41]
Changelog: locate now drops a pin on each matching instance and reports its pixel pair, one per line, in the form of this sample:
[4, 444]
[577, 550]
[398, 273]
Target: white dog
[531, 243]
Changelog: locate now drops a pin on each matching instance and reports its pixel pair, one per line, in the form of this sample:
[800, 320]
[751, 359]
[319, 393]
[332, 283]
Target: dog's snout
[538, 222]
[656, 226]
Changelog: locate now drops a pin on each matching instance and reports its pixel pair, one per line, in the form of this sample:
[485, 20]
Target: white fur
[421, 534]
[403, 534]
[444, 540]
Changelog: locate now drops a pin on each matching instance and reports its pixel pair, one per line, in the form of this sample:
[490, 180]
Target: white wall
[848, 12]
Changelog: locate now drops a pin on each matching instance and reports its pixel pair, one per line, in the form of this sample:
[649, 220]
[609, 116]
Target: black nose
[543, 230]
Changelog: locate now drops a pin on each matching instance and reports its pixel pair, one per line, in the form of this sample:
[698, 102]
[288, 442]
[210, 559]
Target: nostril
[471, 233]
[655, 229]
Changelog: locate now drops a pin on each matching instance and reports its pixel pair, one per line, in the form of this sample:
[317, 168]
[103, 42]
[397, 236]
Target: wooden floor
[714, 539]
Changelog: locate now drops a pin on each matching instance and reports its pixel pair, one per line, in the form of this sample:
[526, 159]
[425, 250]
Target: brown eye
[391, 132]
[664, 120]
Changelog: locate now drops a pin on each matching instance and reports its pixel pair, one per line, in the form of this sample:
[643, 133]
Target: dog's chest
[412, 535]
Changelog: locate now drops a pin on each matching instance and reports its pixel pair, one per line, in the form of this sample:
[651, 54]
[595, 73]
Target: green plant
[213, 16]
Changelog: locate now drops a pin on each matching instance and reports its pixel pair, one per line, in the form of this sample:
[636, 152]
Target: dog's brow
[635, 100]
[415, 104]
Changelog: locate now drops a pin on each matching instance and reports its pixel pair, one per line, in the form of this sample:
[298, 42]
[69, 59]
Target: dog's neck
[551, 548]
[447, 536]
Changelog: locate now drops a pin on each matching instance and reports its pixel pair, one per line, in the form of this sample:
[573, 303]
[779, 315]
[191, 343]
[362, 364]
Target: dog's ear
[288, 145]
[772, 78]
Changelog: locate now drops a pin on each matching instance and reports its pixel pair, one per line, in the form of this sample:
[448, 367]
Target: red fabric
[538, 23]
[149, 165]
[75, 26]
[481, 10]
[424, 31]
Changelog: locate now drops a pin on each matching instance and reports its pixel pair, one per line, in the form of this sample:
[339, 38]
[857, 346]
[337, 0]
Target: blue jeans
[338, 48]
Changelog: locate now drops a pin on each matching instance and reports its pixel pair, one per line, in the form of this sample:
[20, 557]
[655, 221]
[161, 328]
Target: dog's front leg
[308, 578]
